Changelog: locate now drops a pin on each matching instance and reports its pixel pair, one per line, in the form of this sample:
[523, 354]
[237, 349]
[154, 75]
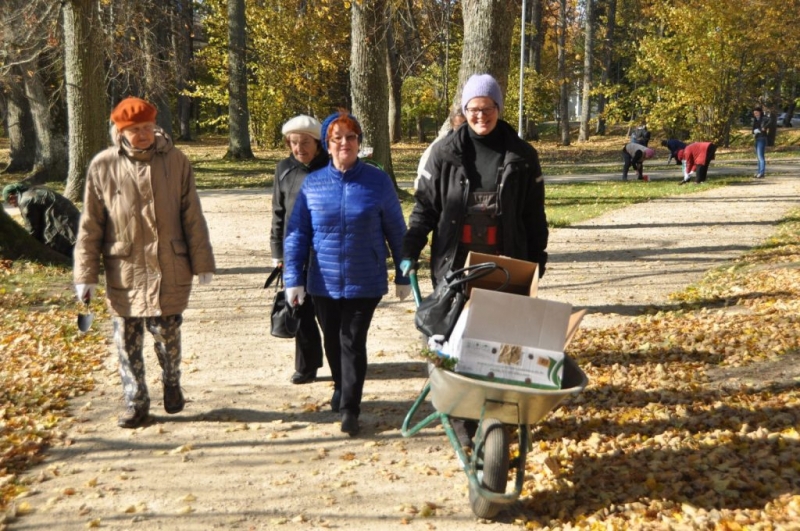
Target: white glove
[85, 291]
[296, 296]
[276, 262]
[205, 278]
[756, 131]
[402, 291]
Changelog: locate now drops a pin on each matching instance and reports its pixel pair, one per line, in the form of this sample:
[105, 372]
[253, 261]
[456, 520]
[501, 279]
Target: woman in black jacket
[481, 190]
[302, 134]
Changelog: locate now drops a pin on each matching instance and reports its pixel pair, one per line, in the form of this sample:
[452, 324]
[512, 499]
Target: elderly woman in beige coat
[142, 215]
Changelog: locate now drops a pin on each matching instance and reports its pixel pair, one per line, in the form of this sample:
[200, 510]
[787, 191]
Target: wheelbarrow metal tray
[461, 396]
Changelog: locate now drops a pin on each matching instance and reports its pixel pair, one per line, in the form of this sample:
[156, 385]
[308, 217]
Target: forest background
[241, 68]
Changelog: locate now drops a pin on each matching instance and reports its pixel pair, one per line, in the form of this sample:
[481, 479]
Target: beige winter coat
[141, 212]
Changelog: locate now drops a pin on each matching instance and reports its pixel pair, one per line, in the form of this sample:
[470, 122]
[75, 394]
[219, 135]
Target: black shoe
[682, 183]
[173, 398]
[760, 176]
[302, 378]
[132, 418]
[350, 423]
[335, 400]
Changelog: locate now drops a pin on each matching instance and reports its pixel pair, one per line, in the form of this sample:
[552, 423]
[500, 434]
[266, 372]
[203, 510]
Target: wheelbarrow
[495, 406]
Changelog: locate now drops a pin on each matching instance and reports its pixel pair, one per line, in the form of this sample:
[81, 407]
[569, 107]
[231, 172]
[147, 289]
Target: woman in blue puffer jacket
[336, 249]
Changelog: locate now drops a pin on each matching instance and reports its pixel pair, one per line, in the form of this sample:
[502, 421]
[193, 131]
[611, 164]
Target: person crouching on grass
[142, 215]
[698, 157]
[633, 154]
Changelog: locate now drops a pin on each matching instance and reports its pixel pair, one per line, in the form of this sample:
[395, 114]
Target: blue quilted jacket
[336, 239]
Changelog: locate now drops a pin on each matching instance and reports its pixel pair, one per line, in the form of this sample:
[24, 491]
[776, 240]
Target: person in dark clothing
[483, 168]
[760, 134]
[48, 216]
[481, 190]
[673, 145]
[301, 134]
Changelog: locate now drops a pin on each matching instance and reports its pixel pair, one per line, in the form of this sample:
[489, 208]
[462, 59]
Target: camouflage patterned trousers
[129, 338]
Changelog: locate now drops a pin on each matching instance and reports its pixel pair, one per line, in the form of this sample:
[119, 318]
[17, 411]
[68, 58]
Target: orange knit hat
[132, 111]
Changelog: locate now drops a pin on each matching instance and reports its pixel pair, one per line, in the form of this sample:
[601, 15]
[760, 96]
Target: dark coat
[51, 218]
[289, 176]
[443, 191]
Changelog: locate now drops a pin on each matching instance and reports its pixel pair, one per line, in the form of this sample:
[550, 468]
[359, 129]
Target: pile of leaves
[44, 361]
[691, 416]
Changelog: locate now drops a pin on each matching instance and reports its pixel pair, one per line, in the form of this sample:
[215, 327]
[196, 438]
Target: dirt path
[252, 451]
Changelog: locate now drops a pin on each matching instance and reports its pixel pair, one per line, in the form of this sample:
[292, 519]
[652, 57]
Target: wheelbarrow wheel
[492, 468]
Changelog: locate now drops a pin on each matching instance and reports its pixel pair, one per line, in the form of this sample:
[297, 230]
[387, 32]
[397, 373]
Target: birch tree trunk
[586, 105]
[86, 103]
[563, 78]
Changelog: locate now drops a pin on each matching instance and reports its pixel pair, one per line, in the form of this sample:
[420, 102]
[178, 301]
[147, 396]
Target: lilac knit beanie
[481, 85]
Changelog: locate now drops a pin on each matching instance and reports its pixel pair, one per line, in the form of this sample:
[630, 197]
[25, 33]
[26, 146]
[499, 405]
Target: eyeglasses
[352, 137]
[477, 111]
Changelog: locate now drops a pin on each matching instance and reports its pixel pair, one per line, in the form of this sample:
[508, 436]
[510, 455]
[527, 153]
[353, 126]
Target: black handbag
[438, 312]
[284, 321]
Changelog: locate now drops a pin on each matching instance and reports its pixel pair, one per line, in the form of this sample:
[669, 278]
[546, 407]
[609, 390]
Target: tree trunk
[563, 78]
[238, 113]
[21, 135]
[609, 55]
[16, 243]
[51, 150]
[395, 83]
[184, 57]
[586, 106]
[85, 80]
[535, 44]
[368, 79]
[487, 41]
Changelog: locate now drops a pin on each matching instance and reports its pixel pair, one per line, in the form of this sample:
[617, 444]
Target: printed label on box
[511, 363]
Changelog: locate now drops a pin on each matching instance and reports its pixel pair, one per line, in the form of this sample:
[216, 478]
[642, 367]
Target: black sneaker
[350, 424]
[682, 183]
[173, 398]
[336, 400]
[303, 378]
[132, 418]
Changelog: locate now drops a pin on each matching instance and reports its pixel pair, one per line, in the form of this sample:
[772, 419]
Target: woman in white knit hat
[302, 136]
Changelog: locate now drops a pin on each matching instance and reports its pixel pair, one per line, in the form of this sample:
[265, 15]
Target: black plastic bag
[438, 312]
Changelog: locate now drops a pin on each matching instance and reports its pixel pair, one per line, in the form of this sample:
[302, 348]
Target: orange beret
[132, 111]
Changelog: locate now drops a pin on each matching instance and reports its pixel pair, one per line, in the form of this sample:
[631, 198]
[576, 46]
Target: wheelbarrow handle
[412, 276]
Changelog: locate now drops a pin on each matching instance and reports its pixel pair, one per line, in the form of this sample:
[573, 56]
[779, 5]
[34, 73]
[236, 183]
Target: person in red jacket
[697, 156]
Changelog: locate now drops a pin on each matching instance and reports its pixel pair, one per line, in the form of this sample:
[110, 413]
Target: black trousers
[307, 342]
[345, 324]
[628, 161]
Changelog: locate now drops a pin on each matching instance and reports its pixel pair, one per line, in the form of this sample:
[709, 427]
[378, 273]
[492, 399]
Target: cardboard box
[510, 338]
[524, 275]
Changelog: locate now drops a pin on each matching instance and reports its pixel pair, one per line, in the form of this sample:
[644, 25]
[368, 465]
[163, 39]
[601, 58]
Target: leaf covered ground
[656, 440]
[43, 363]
